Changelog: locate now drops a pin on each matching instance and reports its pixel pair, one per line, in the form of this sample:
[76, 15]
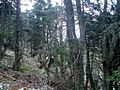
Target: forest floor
[13, 80]
[30, 75]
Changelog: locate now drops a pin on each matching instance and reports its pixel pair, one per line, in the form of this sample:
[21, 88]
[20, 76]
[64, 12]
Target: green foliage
[61, 50]
[115, 76]
[3, 34]
[110, 37]
[39, 25]
[6, 8]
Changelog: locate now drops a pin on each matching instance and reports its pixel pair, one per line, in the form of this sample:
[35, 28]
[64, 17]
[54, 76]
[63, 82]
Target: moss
[28, 69]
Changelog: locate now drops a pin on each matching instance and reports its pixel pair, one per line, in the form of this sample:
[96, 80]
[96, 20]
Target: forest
[71, 45]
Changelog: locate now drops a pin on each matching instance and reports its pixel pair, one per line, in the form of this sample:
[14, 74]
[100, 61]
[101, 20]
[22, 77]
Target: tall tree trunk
[104, 13]
[118, 11]
[107, 85]
[17, 63]
[107, 72]
[2, 26]
[81, 21]
[70, 20]
[105, 6]
[89, 77]
[75, 54]
[82, 40]
[61, 55]
[70, 28]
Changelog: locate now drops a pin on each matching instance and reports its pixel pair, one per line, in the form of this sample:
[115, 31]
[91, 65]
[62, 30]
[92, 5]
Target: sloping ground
[30, 76]
[14, 80]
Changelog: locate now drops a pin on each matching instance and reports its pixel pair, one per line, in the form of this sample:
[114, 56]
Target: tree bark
[81, 22]
[89, 76]
[70, 20]
[82, 40]
[107, 72]
[75, 53]
[118, 11]
[61, 55]
[105, 6]
[17, 63]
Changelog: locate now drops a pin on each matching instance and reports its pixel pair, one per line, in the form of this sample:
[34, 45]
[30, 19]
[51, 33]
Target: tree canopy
[69, 46]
